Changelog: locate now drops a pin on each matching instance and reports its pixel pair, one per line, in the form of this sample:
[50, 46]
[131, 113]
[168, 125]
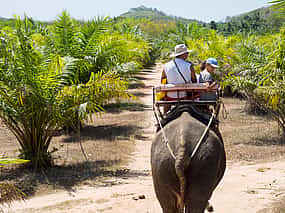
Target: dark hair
[203, 65]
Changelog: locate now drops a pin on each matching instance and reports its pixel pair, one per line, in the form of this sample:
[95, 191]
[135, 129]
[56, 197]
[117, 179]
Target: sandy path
[244, 188]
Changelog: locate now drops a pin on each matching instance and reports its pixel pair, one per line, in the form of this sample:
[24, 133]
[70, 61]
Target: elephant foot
[209, 207]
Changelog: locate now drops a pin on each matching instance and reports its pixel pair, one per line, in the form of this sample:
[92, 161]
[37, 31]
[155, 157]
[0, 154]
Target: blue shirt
[205, 76]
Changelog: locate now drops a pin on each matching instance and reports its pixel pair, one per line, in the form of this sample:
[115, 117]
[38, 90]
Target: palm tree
[28, 90]
[38, 95]
[93, 46]
[260, 74]
[96, 54]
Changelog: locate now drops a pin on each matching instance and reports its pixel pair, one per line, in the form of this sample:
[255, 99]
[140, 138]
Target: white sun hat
[180, 49]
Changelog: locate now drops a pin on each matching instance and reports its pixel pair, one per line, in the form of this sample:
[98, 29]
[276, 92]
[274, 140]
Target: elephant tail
[181, 164]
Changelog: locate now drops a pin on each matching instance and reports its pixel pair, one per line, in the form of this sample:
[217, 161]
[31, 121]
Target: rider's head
[210, 64]
[181, 51]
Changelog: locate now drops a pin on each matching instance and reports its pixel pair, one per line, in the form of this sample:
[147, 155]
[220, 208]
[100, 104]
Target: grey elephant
[181, 183]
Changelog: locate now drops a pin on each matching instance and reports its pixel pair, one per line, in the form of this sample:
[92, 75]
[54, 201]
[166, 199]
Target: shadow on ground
[138, 94]
[103, 132]
[119, 107]
[147, 71]
[136, 85]
[266, 141]
[141, 78]
[66, 176]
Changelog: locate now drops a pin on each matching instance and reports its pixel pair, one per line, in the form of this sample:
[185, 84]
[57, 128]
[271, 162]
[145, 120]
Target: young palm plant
[95, 54]
[272, 85]
[38, 94]
[261, 74]
[28, 91]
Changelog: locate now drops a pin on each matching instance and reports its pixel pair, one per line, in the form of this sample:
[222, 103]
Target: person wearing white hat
[178, 70]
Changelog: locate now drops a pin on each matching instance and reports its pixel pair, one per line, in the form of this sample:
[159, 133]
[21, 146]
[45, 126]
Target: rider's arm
[213, 85]
[193, 74]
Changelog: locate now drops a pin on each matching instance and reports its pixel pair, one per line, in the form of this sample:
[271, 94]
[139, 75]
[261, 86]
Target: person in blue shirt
[208, 68]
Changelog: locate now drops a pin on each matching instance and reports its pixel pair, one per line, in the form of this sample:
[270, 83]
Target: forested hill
[262, 20]
[154, 15]
[6, 22]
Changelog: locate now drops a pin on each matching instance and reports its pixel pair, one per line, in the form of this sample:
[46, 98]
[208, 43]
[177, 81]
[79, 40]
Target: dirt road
[245, 188]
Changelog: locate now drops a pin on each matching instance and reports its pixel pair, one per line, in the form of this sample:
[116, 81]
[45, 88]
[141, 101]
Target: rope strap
[197, 145]
[224, 111]
[164, 136]
[203, 135]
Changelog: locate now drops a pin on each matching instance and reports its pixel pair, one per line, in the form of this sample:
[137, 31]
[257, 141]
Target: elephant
[181, 183]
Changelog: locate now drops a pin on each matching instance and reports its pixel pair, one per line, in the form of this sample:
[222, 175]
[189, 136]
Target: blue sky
[204, 10]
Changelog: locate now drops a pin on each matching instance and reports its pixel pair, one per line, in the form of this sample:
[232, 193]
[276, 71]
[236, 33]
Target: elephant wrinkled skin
[180, 184]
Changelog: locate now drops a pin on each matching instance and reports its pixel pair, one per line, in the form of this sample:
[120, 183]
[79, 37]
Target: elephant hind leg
[171, 210]
[195, 209]
[196, 206]
[169, 202]
[170, 207]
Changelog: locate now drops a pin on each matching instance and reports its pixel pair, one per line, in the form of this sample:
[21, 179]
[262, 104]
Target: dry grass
[9, 193]
[248, 137]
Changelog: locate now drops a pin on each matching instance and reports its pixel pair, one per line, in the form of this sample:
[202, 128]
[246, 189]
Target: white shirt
[174, 77]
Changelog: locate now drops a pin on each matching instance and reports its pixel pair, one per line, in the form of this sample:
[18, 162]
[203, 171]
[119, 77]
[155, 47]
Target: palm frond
[65, 35]
[9, 161]
[93, 29]
[278, 4]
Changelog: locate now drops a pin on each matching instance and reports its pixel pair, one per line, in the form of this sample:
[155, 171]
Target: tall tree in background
[213, 25]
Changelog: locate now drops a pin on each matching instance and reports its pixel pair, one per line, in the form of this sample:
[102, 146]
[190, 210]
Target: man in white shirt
[178, 71]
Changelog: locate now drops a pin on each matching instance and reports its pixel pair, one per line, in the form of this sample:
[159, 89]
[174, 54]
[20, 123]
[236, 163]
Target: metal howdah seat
[197, 95]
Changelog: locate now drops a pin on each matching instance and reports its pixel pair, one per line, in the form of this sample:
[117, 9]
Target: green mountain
[6, 22]
[264, 12]
[154, 14]
[262, 20]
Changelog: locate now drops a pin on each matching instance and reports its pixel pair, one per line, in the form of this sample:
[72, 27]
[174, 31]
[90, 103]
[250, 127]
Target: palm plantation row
[54, 76]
